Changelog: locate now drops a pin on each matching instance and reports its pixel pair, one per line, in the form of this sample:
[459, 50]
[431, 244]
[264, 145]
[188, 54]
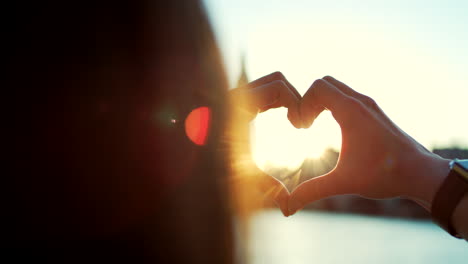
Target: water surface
[316, 237]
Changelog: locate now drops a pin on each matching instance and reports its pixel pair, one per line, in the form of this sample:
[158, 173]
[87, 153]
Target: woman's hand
[377, 159]
[271, 91]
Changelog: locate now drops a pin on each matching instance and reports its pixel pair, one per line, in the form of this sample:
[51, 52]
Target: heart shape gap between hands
[293, 155]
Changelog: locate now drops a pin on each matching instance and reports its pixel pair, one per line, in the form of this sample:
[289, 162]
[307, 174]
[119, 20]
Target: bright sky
[410, 56]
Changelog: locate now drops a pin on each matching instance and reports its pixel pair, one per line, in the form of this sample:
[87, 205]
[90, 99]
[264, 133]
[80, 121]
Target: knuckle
[369, 102]
[328, 78]
[315, 89]
[319, 86]
[279, 84]
[354, 110]
[361, 110]
[319, 83]
[354, 104]
[277, 75]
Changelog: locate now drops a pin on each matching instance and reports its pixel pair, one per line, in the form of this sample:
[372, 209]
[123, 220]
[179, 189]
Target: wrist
[428, 172]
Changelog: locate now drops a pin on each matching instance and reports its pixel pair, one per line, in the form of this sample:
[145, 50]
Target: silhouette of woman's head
[102, 93]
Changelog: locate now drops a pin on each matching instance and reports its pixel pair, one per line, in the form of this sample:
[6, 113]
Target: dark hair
[102, 167]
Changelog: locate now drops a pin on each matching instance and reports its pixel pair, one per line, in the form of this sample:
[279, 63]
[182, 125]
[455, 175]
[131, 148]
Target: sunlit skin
[377, 159]
[272, 91]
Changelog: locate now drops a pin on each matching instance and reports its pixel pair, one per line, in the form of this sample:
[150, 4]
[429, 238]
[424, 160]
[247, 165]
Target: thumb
[274, 190]
[280, 198]
[313, 190]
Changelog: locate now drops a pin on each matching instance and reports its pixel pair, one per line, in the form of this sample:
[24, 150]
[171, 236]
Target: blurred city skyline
[410, 56]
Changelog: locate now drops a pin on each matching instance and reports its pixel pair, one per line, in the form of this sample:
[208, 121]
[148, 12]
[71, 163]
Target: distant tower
[243, 79]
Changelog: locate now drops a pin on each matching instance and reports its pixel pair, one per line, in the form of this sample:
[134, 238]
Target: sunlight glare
[277, 143]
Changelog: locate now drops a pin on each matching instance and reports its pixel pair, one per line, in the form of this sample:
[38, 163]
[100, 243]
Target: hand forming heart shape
[376, 157]
[273, 91]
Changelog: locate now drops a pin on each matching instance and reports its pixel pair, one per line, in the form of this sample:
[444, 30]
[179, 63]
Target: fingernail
[293, 206]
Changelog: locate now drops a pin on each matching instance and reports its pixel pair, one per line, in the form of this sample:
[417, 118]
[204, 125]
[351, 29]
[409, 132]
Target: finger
[240, 101]
[276, 94]
[275, 191]
[313, 190]
[343, 87]
[280, 197]
[322, 95]
[293, 110]
[270, 106]
[275, 76]
[366, 100]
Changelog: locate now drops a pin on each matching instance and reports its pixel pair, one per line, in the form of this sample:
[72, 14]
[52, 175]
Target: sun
[277, 143]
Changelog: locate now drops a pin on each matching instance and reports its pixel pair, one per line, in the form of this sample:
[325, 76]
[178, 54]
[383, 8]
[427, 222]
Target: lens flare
[197, 125]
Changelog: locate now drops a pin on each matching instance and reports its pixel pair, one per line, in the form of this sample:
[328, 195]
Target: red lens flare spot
[197, 125]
